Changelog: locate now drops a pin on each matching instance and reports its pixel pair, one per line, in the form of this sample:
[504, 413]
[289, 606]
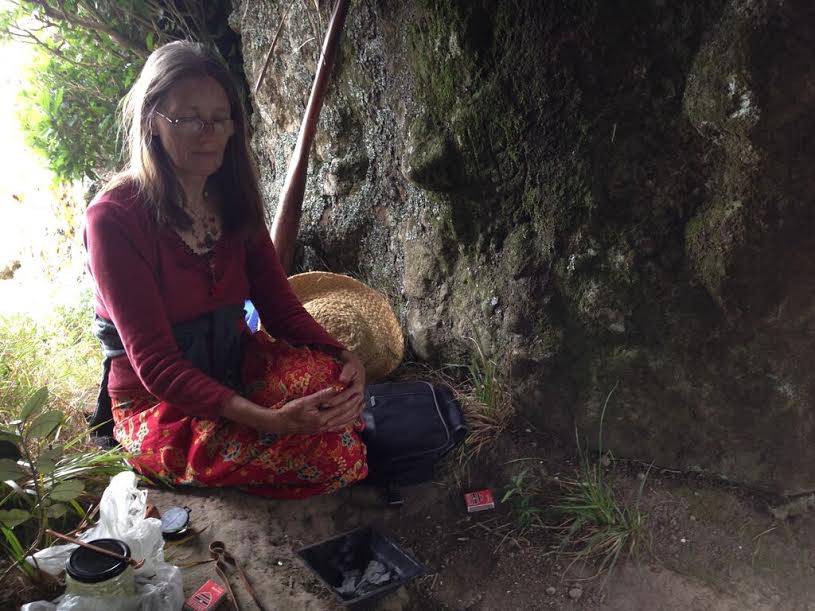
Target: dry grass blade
[486, 402]
[186, 539]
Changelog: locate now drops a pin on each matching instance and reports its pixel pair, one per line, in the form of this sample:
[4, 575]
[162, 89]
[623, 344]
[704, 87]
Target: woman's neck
[195, 192]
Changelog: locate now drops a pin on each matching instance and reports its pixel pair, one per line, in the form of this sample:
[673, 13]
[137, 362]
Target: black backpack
[409, 426]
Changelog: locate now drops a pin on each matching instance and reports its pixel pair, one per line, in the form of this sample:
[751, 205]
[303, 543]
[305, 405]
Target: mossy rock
[605, 197]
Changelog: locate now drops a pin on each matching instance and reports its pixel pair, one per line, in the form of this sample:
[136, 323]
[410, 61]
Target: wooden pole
[290, 207]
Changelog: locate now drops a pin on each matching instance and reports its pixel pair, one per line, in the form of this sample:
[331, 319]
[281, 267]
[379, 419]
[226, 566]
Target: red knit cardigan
[147, 279]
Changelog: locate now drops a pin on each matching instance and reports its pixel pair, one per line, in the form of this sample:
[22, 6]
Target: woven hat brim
[387, 344]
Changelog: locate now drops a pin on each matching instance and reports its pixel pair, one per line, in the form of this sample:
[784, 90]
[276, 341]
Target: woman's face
[194, 152]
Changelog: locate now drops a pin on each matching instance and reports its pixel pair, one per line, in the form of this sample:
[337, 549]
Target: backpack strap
[101, 422]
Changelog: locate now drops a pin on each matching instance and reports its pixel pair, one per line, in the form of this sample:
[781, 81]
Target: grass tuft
[60, 353]
[482, 392]
[485, 400]
[591, 524]
[597, 527]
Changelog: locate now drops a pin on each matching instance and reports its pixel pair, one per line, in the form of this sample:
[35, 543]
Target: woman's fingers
[348, 372]
[343, 414]
[303, 413]
[352, 370]
[321, 397]
[342, 409]
[341, 397]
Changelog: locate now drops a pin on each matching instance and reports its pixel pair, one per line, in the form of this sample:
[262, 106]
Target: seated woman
[176, 243]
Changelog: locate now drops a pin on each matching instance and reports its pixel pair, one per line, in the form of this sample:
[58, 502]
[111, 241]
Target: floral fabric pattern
[183, 449]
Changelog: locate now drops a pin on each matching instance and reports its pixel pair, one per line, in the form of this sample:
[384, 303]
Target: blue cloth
[252, 316]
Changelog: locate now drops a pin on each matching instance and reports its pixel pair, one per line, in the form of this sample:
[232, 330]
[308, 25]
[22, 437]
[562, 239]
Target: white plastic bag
[121, 516]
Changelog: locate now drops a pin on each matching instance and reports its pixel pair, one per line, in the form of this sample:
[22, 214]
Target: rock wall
[607, 195]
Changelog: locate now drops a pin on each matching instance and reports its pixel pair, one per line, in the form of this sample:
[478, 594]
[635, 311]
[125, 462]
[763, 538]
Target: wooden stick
[99, 550]
[290, 207]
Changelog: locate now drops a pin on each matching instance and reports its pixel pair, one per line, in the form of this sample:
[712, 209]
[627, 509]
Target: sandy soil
[710, 547]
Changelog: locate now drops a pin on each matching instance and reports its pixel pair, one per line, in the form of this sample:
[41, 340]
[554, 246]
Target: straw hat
[355, 314]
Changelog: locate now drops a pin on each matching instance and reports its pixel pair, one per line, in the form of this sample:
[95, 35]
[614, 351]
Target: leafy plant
[524, 493]
[90, 54]
[68, 111]
[44, 480]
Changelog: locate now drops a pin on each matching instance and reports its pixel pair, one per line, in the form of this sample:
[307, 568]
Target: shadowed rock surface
[603, 193]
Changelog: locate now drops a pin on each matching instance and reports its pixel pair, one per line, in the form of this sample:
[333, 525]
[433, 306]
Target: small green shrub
[46, 464]
[524, 494]
[44, 478]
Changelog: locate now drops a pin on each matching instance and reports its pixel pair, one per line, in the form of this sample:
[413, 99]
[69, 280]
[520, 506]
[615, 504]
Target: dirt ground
[710, 547]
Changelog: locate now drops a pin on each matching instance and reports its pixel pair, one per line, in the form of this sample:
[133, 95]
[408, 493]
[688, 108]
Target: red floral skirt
[184, 449]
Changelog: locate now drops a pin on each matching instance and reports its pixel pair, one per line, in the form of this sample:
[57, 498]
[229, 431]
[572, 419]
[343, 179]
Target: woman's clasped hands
[330, 409]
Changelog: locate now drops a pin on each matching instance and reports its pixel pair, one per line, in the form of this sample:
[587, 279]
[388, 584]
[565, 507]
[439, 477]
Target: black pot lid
[91, 567]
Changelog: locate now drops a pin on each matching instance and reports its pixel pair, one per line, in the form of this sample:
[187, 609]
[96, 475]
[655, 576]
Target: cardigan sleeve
[281, 313]
[119, 261]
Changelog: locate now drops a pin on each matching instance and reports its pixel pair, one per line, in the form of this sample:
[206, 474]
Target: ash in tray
[356, 582]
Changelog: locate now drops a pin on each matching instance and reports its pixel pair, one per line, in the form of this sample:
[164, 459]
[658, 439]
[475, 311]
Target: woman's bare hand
[302, 415]
[346, 406]
[306, 414]
[323, 411]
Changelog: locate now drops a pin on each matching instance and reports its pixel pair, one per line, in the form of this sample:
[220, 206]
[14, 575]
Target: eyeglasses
[193, 126]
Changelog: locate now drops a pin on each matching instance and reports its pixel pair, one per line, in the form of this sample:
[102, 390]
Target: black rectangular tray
[354, 550]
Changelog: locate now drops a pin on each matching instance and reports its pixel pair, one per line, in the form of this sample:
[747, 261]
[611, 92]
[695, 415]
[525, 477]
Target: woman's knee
[352, 461]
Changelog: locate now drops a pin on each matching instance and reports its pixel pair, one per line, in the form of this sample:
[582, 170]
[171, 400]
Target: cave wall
[607, 195]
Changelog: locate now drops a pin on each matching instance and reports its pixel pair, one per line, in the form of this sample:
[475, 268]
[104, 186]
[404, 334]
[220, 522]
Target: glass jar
[89, 573]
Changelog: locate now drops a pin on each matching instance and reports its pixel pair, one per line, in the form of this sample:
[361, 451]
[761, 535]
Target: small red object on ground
[206, 598]
[479, 500]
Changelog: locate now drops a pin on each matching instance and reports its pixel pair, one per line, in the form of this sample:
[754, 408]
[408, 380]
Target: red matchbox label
[206, 598]
[479, 500]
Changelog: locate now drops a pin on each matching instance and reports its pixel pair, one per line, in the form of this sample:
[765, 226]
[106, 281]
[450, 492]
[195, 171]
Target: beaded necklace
[201, 238]
[205, 230]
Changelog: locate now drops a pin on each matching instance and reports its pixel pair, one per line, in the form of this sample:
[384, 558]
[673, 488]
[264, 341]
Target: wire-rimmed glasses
[193, 126]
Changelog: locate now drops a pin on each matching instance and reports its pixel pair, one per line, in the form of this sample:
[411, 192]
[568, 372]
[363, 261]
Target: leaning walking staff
[290, 206]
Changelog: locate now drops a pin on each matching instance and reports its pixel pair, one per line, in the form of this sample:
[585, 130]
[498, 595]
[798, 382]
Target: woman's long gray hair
[148, 167]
